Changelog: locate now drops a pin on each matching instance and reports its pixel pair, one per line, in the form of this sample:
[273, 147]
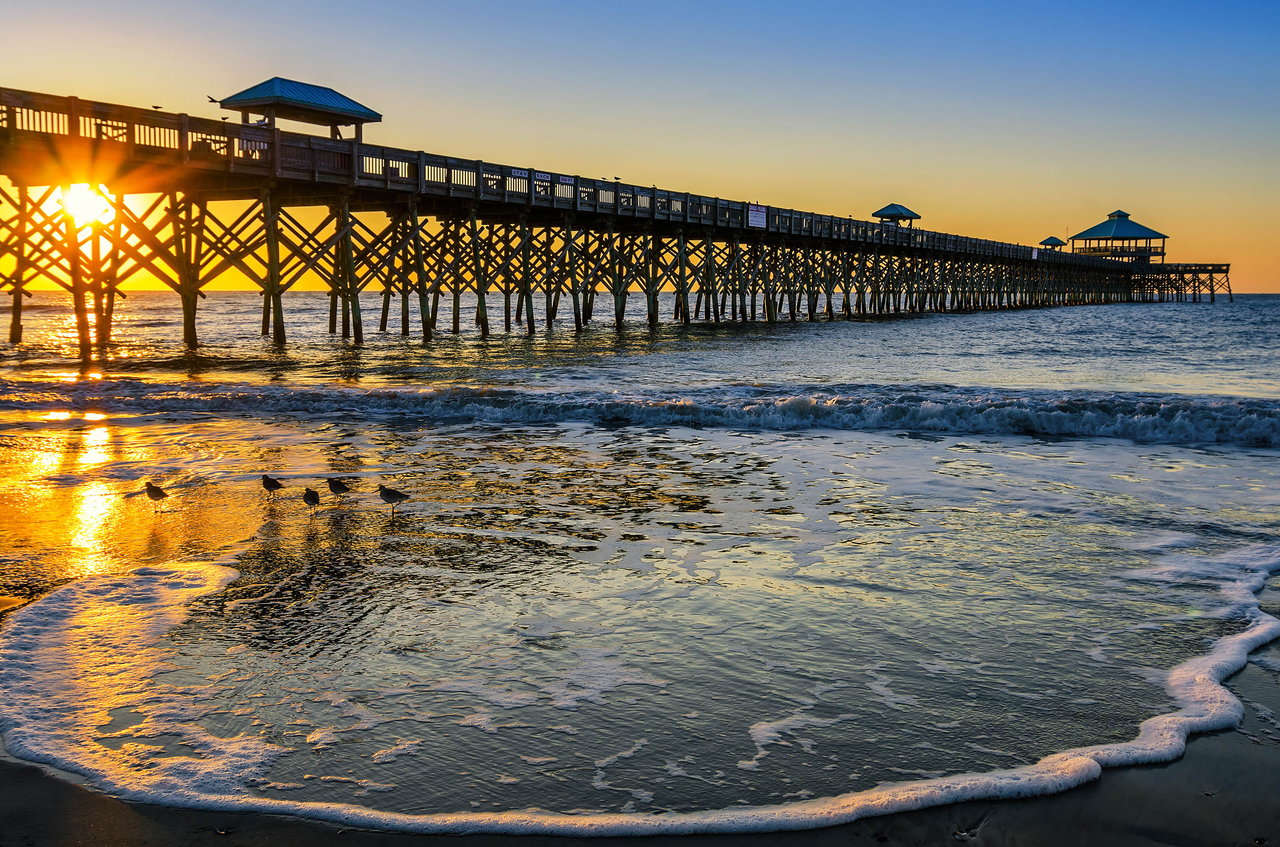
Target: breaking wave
[1146, 418]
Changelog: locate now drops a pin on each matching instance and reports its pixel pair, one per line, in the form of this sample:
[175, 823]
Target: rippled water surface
[704, 570]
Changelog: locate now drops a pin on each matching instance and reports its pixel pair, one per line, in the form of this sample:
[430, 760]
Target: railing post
[73, 117]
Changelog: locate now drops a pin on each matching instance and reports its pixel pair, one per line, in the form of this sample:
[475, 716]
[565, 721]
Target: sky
[1003, 120]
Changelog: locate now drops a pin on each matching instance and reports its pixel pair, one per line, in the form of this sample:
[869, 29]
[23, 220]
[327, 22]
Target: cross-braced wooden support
[525, 267]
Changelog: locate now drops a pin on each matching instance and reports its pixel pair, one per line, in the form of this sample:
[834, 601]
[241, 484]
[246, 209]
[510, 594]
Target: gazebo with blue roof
[895, 213]
[1119, 237]
[301, 101]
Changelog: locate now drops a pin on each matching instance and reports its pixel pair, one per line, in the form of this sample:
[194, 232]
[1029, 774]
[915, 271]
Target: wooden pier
[186, 200]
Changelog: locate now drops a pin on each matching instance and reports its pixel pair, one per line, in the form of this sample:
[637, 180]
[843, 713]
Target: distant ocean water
[694, 579]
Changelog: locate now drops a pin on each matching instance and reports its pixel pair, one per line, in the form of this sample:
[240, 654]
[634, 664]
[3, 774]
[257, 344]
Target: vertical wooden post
[420, 273]
[351, 287]
[551, 267]
[617, 278]
[96, 286]
[682, 279]
[404, 265]
[480, 275]
[335, 277]
[651, 278]
[571, 246]
[526, 274]
[111, 276]
[75, 267]
[18, 280]
[503, 234]
[272, 295]
[388, 289]
[179, 219]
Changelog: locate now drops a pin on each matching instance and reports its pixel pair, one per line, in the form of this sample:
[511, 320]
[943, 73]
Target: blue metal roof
[896, 211]
[1118, 226]
[1053, 241]
[300, 101]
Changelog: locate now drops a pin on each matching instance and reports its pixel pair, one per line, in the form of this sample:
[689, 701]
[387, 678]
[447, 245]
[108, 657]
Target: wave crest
[1148, 418]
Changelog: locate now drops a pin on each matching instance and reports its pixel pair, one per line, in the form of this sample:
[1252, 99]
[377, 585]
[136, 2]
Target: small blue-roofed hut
[301, 101]
[1119, 237]
[896, 214]
[1053, 242]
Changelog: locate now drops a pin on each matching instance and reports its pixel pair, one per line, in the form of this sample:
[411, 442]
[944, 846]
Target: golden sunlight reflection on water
[90, 536]
[72, 483]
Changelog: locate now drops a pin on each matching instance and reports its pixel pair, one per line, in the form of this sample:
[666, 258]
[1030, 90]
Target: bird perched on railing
[390, 495]
[155, 493]
[271, 484]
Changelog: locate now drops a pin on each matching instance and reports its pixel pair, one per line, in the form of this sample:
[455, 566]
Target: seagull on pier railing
[155, 493]
[311, 497]
[390, 495]
[271, 484]
[337, 486]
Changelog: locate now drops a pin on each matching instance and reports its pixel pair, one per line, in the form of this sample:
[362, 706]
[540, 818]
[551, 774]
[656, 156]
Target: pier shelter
[1120, 237]
[302, 102]
[895, 213]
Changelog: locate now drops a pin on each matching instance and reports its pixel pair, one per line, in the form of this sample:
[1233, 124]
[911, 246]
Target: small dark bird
[157, 107]
[211, 99]
[271, 484]
[337, 486]
[155, 492]
[390, 495]
[311, 497]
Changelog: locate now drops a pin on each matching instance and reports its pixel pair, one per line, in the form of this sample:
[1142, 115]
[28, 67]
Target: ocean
[688, 579]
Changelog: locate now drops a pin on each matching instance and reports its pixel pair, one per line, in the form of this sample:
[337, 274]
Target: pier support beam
[17, 281]
[78, 284]
[273, 288]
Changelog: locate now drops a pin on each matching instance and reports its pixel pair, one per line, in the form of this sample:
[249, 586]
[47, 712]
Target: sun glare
[86, 205]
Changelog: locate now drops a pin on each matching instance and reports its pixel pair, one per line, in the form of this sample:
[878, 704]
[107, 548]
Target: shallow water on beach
[696, 571]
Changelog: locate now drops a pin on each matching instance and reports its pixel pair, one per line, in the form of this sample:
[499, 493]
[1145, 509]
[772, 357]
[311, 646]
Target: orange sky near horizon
[987, 124]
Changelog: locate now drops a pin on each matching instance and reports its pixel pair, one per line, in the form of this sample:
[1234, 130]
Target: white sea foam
[1150, 418]
[94, 647]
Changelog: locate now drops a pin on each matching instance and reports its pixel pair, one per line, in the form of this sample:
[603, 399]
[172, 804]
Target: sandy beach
[1223, 791]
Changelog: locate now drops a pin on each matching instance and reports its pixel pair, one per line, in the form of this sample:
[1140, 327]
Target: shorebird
[390, 495]
[271, 484]
[311, 497]
[156, 493]
[337, 486]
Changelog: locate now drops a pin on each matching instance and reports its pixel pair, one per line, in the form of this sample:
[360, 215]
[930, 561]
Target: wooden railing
[204, 144]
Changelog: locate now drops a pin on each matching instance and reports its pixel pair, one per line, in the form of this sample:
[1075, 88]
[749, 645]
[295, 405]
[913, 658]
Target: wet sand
[1224, 791]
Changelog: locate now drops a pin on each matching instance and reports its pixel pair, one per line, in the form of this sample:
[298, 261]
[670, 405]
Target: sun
[86, 205]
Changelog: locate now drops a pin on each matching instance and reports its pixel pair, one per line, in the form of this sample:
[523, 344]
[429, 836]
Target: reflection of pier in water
[207, 198]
